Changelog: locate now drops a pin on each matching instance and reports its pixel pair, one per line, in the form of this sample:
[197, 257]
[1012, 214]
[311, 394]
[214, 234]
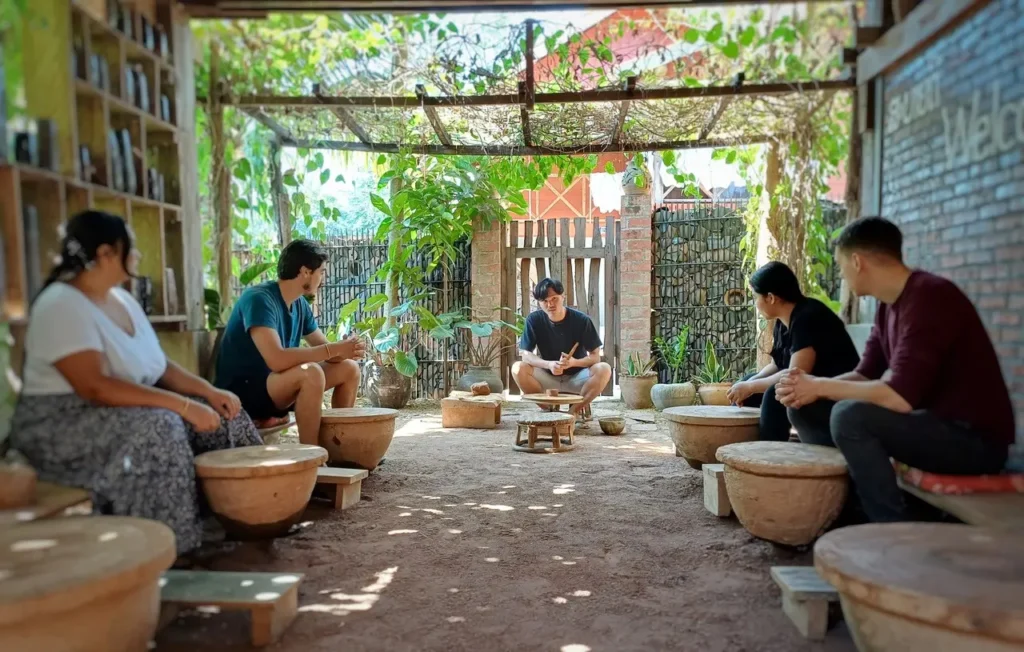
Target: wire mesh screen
[352, 262]
[834, 217]
[700, 282]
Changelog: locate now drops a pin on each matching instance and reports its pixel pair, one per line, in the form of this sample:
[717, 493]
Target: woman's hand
[740, 392]
[224, 402]
[202, 418]
[796, 389]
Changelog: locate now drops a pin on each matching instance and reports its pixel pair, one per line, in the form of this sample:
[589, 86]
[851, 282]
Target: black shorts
[256, 400]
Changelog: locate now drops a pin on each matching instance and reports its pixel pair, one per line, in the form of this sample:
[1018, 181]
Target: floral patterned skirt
[135, 461]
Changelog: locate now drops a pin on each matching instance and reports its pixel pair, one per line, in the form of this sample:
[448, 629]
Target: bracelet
[327, 345]
[184, 407]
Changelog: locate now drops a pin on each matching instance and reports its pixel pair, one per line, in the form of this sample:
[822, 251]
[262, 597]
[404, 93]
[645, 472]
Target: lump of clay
[480, 389]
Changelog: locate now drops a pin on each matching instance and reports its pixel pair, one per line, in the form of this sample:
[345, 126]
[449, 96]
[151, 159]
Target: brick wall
[635, 272]
[953, 170]
[485, 272]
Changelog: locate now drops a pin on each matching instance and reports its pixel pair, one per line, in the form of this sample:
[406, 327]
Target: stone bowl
[17, 486]
[927, 586]
[612, 425]
[259, 492]
[699, 430]
[82, 583]
[359, 436]
[714, 393]
[784, 492]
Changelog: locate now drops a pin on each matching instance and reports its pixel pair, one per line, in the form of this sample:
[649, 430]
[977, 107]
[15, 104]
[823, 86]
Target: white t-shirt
[64, 321]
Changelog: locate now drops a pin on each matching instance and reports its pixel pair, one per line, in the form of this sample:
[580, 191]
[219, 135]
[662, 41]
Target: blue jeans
[868, 435]
[774, 423]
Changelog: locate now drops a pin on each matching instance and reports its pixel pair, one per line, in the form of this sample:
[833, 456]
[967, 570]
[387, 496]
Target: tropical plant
[712, 371]
[638, 365]
[487, 340]
[673, 353]
[383, 333]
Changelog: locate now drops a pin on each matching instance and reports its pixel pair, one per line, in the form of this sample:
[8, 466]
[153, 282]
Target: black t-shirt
[813, 324]
[552, 339]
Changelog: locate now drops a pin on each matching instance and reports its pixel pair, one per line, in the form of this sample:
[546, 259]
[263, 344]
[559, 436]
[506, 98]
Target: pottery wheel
[713, 415]
[60, 563]
[561, 399]
[256, 461]
[357, 415]
[953, 576]
[782, 458]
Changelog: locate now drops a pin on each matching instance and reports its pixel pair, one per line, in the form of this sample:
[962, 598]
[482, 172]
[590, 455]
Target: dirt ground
[461, 543]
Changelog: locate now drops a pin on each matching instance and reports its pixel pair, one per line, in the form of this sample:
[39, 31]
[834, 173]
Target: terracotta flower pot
[636, 390]
[666, 395]
[359, 436]
[714, 393]
[82, 584]
[17, 486]
[784, 492]
[259, 492]
[386, 388]
[487, 375]
[699, 430]
[927, 586]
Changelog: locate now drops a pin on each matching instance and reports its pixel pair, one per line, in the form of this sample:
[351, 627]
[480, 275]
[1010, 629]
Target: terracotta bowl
[714, 393]
[259, 492]
[359, 436]
[784, 492]
[612, 425]
[82, 584]
[927, 586]
[699, 430]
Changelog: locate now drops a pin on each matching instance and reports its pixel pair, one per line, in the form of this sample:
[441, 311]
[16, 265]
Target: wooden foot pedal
[344, 483]
[716, 500]
[272, 599]
[805, 599]
[51, 500]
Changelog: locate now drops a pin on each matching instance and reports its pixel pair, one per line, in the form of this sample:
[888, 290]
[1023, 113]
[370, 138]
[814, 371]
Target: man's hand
[224, 402]
[352, 347]
[566, 362]
[740, 392]
[796, 389]
[555, 367]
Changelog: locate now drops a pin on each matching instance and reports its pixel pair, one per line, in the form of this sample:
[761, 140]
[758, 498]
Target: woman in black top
[807, 335]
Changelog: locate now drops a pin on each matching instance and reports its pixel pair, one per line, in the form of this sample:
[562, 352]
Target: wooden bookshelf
[94, 107]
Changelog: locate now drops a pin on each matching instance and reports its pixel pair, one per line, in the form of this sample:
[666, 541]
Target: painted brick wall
[953, 170]
[485, 272]
[635, 255]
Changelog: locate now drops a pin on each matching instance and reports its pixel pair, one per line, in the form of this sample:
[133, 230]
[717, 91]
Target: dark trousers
[774, 424]
[868, 435]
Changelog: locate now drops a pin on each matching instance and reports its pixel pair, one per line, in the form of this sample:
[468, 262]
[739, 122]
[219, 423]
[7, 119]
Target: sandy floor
[461, 543]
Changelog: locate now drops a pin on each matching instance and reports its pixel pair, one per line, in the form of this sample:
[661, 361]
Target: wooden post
[221, 179]
[282, 207]
[848, 302]
[394, 236]
[767, 245]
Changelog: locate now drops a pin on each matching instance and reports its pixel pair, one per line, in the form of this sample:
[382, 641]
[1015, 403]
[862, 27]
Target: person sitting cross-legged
[261, 358]
[928, 391]
[548, 337]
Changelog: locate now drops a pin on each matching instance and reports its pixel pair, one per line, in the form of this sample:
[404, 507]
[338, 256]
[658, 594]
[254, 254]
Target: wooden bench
[51, 500]
[716, 500]
[343, 485]
[1000, 511]
[805, 599]
[272, 599]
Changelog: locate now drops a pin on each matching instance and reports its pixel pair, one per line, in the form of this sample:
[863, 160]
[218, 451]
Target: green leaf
[325, 175]
[406, 364]
[584, 55]
[253, 272]
[242, 203]
[379, 203]
[481, 330]
[714, 33]
[692, 82]
[609, 167]
[748, 35]
[692, 35]
[401, 308]
[289, 180]
[339, 179]
[311, 165]
[375, 302]
[668, 157]
[730, 158]
[243, 169]
[348, 311]
[387, 340]
[319, 158]
[731, 49]
[441, 333]
[382, 159]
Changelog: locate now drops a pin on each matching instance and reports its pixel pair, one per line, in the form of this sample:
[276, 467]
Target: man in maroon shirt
[928, 391]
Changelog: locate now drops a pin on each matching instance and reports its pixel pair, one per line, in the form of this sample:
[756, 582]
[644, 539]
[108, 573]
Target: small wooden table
[552, 425]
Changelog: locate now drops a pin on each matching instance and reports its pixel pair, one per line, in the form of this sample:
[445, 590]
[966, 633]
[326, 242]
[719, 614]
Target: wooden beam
[435, 120]
[516, 150]
[922, 26]
[629, 86]
[221, 174]
[423, 6]
[261, 117]
[531, 90]
[714, 117]
[346, 119]
[593, 96]
[524, 116]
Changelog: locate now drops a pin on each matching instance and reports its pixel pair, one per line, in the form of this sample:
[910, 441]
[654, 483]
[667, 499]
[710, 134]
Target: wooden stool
[699, 430]
[82, 584]
[359, 436]
[927, 586]
[783, 492]
[343, 484]
[259, 491]
[806, 599]
[50, 500]
[552, 425]
[272, 599]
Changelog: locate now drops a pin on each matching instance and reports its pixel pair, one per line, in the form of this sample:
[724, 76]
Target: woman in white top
[101, 406]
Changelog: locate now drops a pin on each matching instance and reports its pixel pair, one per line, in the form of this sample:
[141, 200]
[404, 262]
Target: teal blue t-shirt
[260, 305]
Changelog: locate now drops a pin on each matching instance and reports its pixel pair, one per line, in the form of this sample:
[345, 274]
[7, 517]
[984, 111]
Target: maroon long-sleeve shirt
[941, 357]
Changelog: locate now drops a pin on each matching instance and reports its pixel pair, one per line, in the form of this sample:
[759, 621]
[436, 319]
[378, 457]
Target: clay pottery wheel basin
[359, 436]
[784, 492]
[927, 586]
[82, 584]
[259, 492]
[699, 430]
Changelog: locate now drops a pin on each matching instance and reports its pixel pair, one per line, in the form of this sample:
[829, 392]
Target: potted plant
[673, 355]
[485, 342]
[636, 380]
[712, 380]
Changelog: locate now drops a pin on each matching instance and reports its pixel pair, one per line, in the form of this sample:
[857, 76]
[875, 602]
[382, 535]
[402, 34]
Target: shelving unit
[93, 110]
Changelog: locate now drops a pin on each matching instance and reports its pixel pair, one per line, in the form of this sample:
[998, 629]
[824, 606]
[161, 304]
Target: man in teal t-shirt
[261, 358]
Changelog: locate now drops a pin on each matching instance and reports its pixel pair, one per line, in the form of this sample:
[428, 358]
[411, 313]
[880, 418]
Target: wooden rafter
[524, 116]
[527, 89]
[346, 119]
[210, 8]
[629, 86]
[568, 97]
[714, 116]
[435, 120]
[261, 117]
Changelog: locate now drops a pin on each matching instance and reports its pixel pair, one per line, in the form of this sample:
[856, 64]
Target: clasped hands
[559, 366]
[797, 388]
[352, 347]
